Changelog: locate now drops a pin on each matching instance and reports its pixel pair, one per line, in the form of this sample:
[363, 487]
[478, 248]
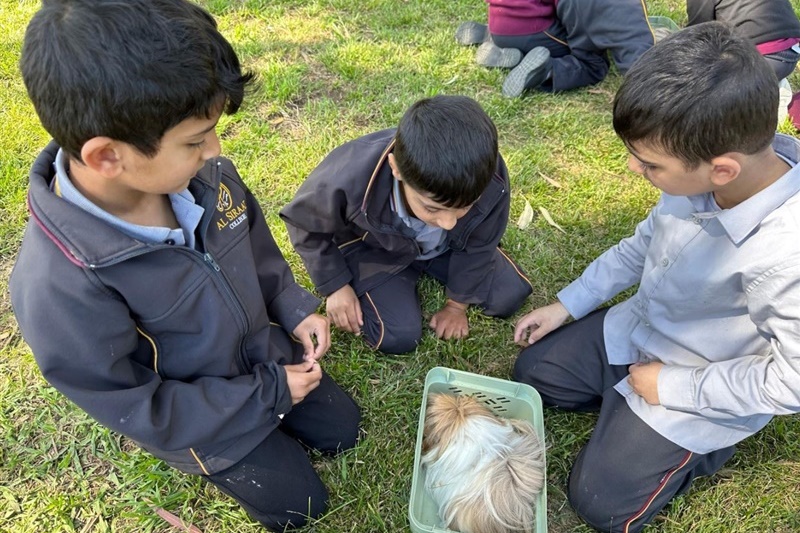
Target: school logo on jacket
[224, 201]
[232, 215]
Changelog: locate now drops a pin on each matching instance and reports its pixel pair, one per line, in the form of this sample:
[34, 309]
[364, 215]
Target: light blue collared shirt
[187, 212]
[718, 303]
[429, 238]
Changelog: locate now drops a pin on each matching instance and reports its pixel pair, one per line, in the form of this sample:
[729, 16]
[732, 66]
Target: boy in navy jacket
[430, 197]
[148, 285]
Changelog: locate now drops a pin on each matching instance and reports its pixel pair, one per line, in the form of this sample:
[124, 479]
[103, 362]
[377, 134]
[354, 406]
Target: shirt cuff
[676, 387]
[577, 300]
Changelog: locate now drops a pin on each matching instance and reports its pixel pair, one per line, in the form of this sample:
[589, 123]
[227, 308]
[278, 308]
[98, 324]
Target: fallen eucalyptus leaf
[549, 219]
[526, 217]
[551, 181]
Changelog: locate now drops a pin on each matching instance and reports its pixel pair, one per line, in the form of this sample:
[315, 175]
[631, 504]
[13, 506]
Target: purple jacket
[520, 17]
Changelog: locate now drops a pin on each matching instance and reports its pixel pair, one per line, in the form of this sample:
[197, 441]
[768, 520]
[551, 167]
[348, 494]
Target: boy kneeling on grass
[708, 349]
[431, 196]
[148, 285]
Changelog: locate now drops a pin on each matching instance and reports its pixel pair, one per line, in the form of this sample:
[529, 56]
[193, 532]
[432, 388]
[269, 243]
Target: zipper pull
[210, 261]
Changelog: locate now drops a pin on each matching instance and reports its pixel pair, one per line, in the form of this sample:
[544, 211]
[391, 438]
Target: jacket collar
[82, 237]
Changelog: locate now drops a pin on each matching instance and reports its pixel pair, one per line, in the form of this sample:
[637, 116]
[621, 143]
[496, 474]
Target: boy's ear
[102, 155]
[393, 165]
[725, 169]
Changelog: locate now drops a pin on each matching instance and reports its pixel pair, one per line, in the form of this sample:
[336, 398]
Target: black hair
[701, 92]
[126, 69]
[446, 146]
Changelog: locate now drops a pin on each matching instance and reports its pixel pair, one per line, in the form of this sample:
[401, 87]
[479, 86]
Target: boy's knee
[508, 291]
[349, 425]
[594, 498]
[505, 304]
[525, 365]
[399, 342]
[296, 516]
[593, 507]
[393, 338]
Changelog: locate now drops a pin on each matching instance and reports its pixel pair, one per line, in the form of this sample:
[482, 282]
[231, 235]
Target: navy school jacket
[341, 223]
[170, 346]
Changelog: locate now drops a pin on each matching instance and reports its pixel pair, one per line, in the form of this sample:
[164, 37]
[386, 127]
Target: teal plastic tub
[506, 399]
[658, 21]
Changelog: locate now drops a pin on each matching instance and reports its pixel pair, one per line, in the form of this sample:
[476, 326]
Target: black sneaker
[491, 55]
[471, 33]
[532, 71]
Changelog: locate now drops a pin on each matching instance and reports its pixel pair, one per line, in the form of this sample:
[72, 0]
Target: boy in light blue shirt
[708, 349]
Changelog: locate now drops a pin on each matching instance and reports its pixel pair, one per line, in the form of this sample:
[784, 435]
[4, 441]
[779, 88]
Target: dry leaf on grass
[526, 217]
[551, 181]
[546, 214]
[174, 521]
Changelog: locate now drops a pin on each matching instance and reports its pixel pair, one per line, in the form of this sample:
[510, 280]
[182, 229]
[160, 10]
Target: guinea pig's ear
[435, 421]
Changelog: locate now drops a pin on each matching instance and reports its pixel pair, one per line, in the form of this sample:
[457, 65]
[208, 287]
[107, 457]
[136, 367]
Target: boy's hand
[644, 380]
[450, 322]
[539, 323]
[302, 379]
[344, 309]
[314, 326]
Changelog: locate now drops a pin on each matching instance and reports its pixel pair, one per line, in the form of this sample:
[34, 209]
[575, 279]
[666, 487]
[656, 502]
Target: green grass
[331, 70]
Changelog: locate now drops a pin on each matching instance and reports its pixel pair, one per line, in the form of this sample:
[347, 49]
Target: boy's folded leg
[275, 484]
[392, 314]
[326, 420]
[627, 472]
[569, 366]
[470, 32]
[509, 287]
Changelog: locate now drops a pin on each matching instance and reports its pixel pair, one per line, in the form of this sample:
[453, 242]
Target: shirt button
[170, 242]
[664, 262]
[647, 324]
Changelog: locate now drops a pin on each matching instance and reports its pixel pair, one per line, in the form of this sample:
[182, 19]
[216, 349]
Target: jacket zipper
[208, 259]
[237, 307]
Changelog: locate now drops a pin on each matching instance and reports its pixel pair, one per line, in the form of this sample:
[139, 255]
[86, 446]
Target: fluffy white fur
[483, 472]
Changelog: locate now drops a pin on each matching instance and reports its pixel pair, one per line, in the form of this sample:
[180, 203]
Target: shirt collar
[186, 210]
[740, 221]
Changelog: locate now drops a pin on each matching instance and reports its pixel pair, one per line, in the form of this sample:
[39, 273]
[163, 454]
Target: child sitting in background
[771, 25]
[148, 284]
[431, 196]
[707, 350]
[564, 42]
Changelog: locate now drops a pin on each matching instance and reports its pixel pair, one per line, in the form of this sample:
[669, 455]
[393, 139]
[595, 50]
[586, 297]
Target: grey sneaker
[531, 72]
[491, 55]
[471, 33]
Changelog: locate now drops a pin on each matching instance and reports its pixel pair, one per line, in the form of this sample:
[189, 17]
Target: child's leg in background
[392, 314]
[783, 62]
[554, 39]
[593, 28]
[627, 472]
[506, 291]
[276, 483]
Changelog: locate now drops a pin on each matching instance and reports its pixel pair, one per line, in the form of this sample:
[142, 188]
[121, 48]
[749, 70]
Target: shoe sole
[491, 55]
[470, 32]
[517, 80]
